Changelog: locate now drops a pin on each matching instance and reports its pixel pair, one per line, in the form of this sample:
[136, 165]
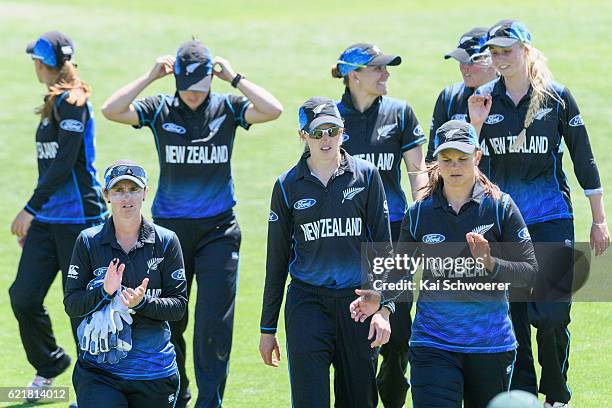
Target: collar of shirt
[347, 102]
[146, 234]
[182, 106]
[347, 163]
[500, 89]
[477, 194]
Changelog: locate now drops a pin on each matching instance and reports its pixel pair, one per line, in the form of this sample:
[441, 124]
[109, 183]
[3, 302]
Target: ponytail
[541, 81]
[66, 80]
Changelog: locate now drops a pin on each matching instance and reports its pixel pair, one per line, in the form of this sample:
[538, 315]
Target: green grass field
[288, 47]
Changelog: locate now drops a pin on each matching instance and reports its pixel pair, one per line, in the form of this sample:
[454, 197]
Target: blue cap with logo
[52, 48]
[458, 135]
[363, 55]
[469, 45]
[506, 33]
[317, 111]
[193, 67]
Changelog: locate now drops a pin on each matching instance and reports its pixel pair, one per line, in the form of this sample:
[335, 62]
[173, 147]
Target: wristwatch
[237, 79]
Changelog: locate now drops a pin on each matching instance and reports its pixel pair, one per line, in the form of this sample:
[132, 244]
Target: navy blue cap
[133, 172]
[52, 48]
[193, 67]
[456, 134]
[506, 33]
[317, 111]
[363, 55]
[469, 45]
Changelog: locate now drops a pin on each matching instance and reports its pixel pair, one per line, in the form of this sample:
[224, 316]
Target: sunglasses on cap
[125, 170]
[319, 133]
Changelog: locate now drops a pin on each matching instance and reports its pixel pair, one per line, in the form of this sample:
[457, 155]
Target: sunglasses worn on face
[319, 133]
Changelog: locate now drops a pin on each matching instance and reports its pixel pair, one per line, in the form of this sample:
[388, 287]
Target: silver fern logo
[349, 193]
[482, 229]
[318, 109]
[383, 131]
[541, 113]
[214, 127]
[153, 263]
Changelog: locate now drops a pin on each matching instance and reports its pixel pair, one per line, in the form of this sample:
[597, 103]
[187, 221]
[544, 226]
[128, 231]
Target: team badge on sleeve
[179, 275]
[418, 131]
[273, 216]
[524, 234]
[576, 121]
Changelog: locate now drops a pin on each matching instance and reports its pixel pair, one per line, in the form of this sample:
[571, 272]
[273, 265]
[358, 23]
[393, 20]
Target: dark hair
[335, 73]
[435, 182]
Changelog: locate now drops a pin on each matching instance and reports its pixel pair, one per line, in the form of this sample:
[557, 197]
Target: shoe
[556, 405]
[37, 385]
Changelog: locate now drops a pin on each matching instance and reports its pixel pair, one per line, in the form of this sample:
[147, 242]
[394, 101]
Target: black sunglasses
[123, 170]
[319, 133]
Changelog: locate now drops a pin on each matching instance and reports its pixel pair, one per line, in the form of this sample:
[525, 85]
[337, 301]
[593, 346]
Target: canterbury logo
[383, 131]
[153, 263]
[349, 193]
[482, 229]
[214, 127]
[541, 113]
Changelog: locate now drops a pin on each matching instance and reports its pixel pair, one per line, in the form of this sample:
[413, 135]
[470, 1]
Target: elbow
[276, 109]
[107, 112]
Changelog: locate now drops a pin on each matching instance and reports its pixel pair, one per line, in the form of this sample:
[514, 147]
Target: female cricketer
[194, 133]
[527, 121]
[322, 211]
[126, 267]
[67, 199]
[384, 131]
[462, 345]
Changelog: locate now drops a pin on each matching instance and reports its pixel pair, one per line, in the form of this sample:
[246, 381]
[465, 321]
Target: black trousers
[443, 379]
[211, 253]
[47, 249]
[391, 380]
[320, 333]
[98, 389]
[550, 318]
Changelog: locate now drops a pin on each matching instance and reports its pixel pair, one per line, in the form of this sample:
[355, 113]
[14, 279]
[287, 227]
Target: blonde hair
[435, 182]
[66, 80]
[541, 81]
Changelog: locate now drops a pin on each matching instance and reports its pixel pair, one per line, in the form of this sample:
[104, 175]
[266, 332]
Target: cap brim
[502, 42]
[325, 119]
[134, 179]
[461, 146]
[196, 83]
[30, 47]
[385, 60]
[460, 55]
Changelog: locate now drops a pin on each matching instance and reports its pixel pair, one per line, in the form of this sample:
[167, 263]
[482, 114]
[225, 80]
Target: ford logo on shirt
[576, 121]
[100, 271]
[174, 128]
[179, 274]
[304, 203]
[72, 125]
[433, 238]
[418, 131]
[493, 119]
[460, 116]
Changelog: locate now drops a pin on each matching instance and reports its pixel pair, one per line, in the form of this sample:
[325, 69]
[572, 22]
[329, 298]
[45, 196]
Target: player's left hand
[21, 224]
[223, 69]
[479, 247]
[365, 305]
[132, 297]
[600, 238]
[380, 327]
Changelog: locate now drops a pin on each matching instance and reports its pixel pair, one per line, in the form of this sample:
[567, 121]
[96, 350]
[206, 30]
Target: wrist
[602, 223]
[236, 79]
[384, 312]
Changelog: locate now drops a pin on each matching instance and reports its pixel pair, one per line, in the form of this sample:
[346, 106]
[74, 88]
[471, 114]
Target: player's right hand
[269, 349]
[479, 107]
[163, 66]
[113, 276]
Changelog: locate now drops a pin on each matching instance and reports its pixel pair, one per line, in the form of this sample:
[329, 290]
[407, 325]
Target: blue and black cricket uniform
[148, 375]
[381, 135]
[533, 175]
[195, 199]
[67, 199]
[452, 104]
[463, 349]
[315, 234]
